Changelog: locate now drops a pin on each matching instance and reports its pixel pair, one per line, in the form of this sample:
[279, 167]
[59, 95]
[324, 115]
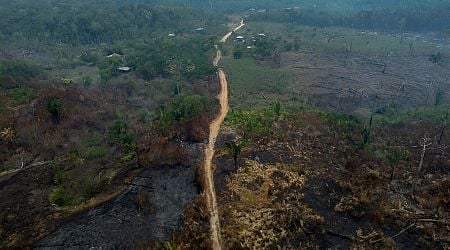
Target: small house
[240, 39]
[113, 55]
[124, 69]
[171, 35]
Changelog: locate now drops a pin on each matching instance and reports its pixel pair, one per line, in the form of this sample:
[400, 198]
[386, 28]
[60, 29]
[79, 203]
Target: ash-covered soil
[327, 195]
[150, 210]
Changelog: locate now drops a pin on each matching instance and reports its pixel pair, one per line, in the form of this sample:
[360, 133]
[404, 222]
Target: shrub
[91, 188]
[436, 58]
[21, 95]
[184, 108]
[60, 197]
[94, 152]
[87, 81]
[345, 126]
[237, 54]
[54, 106]
[120, 132]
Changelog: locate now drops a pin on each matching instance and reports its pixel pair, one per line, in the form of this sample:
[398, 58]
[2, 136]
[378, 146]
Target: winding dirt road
[214, 128]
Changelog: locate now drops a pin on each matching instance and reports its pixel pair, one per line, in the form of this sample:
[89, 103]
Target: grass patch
[256, 121]
[78, 192]
[392, 115]
[70, 192]
[94, 152]
[340, 39]
[83, 75]
[253, 84]
[21, 95]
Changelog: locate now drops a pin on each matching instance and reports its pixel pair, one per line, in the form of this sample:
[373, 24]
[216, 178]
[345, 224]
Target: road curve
[214, 128]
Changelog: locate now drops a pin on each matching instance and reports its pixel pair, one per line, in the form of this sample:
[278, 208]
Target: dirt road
[214, 128]
[225, 38]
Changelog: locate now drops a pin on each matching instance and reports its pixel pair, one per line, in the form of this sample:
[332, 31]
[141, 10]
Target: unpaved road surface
[225, 38]
[209, 150]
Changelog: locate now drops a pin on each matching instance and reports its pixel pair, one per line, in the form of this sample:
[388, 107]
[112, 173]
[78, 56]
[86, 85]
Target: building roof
[113, 55]
[126, 69]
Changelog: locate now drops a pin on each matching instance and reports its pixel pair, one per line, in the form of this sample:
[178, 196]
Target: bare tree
[276, 57]
[425, 144]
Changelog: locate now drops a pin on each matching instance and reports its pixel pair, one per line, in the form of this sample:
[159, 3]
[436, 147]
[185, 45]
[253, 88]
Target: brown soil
[347, 83]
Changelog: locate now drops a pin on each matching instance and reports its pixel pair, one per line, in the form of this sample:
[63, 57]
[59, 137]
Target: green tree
[235, 148]
[394, 157]
[237, 54]
[54, 107]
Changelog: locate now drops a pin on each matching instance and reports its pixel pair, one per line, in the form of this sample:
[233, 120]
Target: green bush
[86, 81]
[54, 106]
[345, 126]
[120, 132]
[237, 54]
[21, 95]
[436, 58]
[73, 194]
[60, 197]
[94, 152]
[184, 108]
[431, 114]
[91, 188]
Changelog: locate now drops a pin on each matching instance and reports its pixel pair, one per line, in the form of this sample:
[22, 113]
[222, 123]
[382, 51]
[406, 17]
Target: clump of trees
[379, 15]
[180, 58]
[19, 69]
[89, 22]
[184, 108]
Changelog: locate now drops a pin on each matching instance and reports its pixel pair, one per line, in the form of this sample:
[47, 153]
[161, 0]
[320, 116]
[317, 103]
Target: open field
[339, 39]
[368, 71]
[255, 84]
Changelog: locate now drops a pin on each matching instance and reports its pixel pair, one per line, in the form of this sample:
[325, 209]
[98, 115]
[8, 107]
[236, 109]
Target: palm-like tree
[235, 148]
[7, 134]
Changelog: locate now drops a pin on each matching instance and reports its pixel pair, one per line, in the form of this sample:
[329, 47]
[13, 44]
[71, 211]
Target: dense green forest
[413, 19]
[382, 15]
[83, 22]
